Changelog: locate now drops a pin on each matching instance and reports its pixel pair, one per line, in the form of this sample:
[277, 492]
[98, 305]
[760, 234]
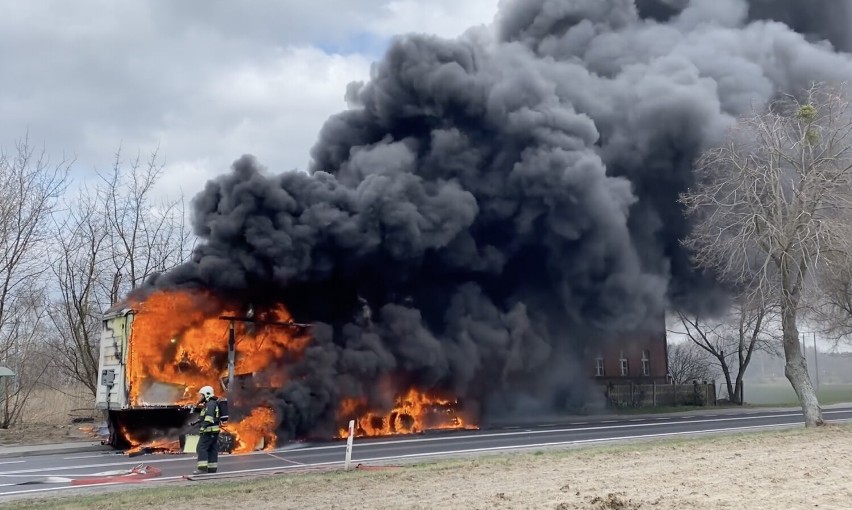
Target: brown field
[48, 415]
[784, 469]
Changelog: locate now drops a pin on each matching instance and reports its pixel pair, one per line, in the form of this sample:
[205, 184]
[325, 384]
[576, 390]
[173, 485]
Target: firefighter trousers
[208, 452]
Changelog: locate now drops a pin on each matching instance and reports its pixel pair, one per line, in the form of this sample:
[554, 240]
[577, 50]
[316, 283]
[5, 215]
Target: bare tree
[78, 269]
[771, 203]
[112, 237]
[146, 237]
[732, 339]
[24, 351]
[832, 301]
[30, 188]
[688, 363]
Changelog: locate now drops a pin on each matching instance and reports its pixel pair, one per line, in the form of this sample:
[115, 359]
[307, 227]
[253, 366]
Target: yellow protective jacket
[210, 420]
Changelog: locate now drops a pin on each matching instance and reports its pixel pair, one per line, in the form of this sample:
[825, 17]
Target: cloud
[446, 18]
[206, 81]
[273, 107]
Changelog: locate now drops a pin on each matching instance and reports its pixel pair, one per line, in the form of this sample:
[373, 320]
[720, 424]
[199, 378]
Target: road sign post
[349, 440]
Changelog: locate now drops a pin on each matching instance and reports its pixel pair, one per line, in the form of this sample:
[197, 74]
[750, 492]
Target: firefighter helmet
[206, 392]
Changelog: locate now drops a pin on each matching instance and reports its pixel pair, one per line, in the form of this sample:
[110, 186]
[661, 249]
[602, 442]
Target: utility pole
[816, 361]
[232, 354]
[232, 349]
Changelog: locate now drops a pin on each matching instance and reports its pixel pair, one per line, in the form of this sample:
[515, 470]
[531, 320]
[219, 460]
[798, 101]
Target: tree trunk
[738, 391]
[727, 373]
[796, 369]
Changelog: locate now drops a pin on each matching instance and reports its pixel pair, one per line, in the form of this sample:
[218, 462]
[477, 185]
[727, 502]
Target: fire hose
[138, 473]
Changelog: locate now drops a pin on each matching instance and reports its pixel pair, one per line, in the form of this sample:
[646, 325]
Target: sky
[205, 81]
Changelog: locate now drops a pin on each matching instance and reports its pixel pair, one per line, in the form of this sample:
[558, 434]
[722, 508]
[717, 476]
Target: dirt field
[792, 470]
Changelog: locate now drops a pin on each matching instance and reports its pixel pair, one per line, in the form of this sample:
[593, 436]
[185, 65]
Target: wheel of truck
[226, 442]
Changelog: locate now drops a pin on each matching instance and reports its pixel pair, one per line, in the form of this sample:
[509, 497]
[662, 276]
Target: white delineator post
[349, 445]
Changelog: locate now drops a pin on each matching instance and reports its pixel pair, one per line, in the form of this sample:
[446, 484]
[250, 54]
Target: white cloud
[206, 80]
[446, 18]
[272, 109]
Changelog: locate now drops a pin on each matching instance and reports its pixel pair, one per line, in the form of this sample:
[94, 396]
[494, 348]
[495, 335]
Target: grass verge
[518, 480]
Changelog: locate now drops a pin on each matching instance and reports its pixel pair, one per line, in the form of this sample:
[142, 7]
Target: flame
[179, 344]
[90, 430]
[162, 445]
[253, 431]
[412, 412]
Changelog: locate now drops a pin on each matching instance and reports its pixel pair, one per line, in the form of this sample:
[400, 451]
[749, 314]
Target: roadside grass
[662, 409]
[49, 416]
[248, 492]
[47, 406]
[771, 394]
[781, 394]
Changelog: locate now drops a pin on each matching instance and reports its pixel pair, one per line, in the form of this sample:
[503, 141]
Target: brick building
[639, 357]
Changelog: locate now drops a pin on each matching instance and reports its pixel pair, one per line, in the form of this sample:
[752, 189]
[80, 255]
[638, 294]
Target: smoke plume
[492, 205]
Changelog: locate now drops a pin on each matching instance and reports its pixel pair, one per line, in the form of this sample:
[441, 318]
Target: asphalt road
[41, 475]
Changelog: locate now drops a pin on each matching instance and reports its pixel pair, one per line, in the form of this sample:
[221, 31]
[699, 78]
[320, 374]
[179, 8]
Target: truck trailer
[163, 412]
[142, 402]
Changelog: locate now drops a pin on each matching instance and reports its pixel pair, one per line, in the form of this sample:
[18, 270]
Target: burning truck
[157, 352]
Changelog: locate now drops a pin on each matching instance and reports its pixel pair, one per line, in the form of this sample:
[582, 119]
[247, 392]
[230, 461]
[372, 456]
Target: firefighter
[208, 443]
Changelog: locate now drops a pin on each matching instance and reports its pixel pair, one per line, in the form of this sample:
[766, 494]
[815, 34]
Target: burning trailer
[157, 352]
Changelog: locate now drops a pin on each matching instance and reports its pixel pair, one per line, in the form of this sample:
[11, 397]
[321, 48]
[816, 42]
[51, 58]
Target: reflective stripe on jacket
[210, 416]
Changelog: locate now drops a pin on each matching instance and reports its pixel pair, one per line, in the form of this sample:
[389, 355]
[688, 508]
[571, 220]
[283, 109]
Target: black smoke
[491, 206]
[818, 20]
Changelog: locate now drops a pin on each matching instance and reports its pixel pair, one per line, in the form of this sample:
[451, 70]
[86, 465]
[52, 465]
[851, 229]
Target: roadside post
[6, 375]
[347, 464]
[655, 394]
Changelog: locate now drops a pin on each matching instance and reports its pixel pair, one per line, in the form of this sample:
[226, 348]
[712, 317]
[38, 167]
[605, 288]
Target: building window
[625, 369]
[599, 367]
[646, 363]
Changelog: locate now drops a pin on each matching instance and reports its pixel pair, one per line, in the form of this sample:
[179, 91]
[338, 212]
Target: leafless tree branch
[111, 238]
[771, 209]
[30, 187]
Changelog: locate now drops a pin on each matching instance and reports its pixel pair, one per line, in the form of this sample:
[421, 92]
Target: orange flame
[251, 433]
[163, 445]
[412, 412]
[179, 344]
[254, 431]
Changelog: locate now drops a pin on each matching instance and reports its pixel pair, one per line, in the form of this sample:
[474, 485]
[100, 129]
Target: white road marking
[438, 454]
[285, 460]
[369, 444]
[550, 431]
[13, 462]
[87, 466]
[148, 460]
[90, 456]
